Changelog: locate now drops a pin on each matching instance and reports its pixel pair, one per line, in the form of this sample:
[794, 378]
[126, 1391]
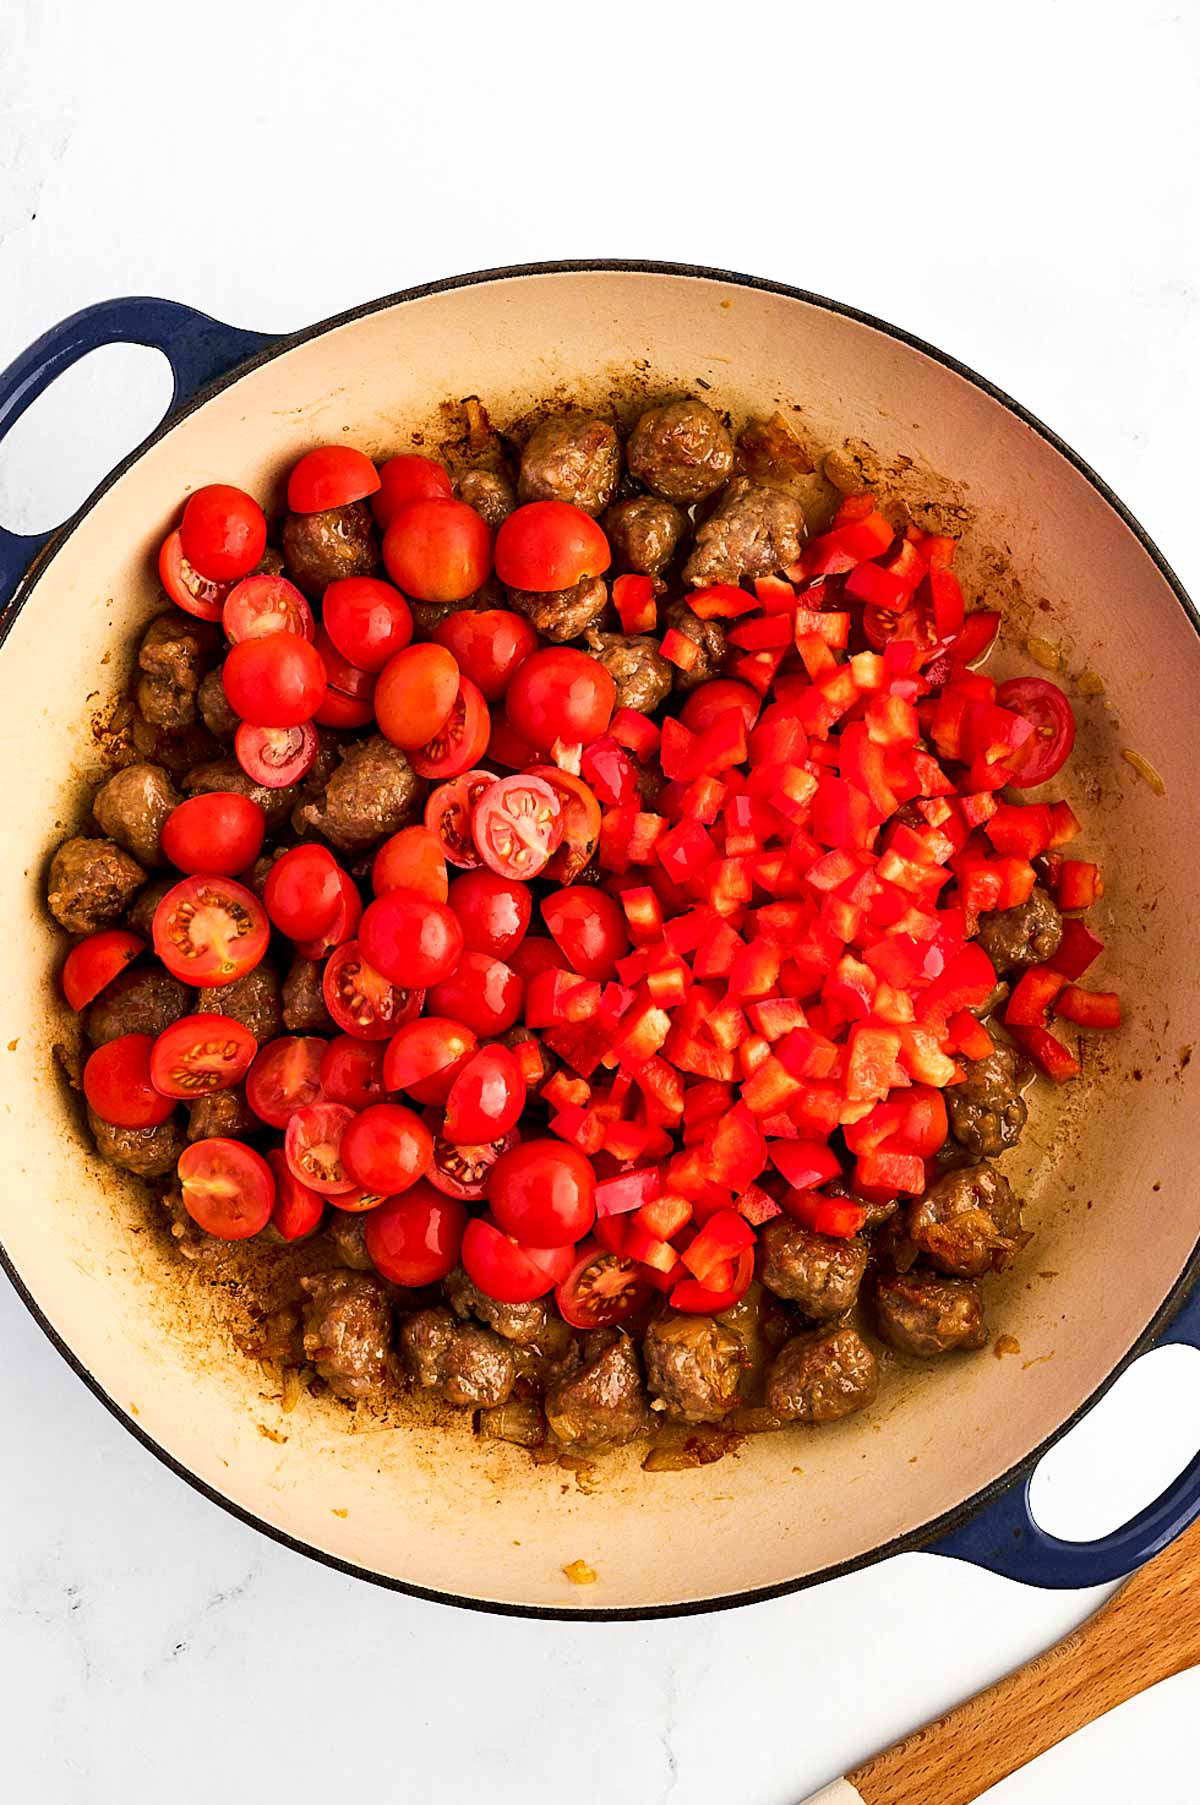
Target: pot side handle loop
[1005, 1539]
[198, 349]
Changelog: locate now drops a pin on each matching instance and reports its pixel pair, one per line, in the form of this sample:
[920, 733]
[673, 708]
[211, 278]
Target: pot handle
[198, 349]
[1005, 1539]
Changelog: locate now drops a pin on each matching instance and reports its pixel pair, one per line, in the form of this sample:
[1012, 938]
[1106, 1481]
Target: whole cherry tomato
[303, 891]
[438, 550]
[544, 1193]
[368, 621]
[330, 476]
[492, 911]
[410, 938]
[416, 1239]
[223, 533]
[415, 694]
[218, 834]
[386, 1148]
[274, 682]
[562, 694]
[550, 545]
[489, 644]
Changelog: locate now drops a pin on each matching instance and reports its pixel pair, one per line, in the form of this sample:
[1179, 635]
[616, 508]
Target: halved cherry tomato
[352, 1071]
[386, 1148]
[274, 682]
[408, 478]
[95, 962]
[550, 545]
[223, 532]
[342, 711]
[218, 834]
[448, 814]
[298, 1209]
[694, 1298]
[1052, 718]
[492, 911]
[601, 1289]
[228, 1189]
[589, 925]
[411, 860]
[312, 1146]
[285, 1077]
[277, 756]
[544, 1193]
[415, 694]
[118, 1085]
[460, 741]
[416, 1239]
[505, 745]
[425, 1056]
[562, 694]
[199, 1054]
[303, 891]
[485, 993]
[710, 701]
[489, 644]
[350, 697]
[330, 476]
[463, 1171]
[486, 1098]
[368, 621]
[358, 1202]
[517, 825]
[264, 604]
[344, 925]
[210, 930]
[883, 625]
[581, 822]
[188, 590]
[361, 1000]
[410, 938]
[438, 550]
[507, 1271]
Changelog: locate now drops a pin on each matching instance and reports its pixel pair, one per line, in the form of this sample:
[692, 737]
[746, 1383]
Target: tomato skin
[95, 962]
[342, 927]
[563, 694]
[602, 1288]
[461, 741]
[709, 701]
[297, 1210]
[302, 891]
[517, 826]
[274, 682]
[352, 1072]
[118, 1085]
[415, 1239]
[492, 911]
[438, 550]
[284, 1077]
[200, 1054]
[210, 930]
[581, 822]
[330, 476]
[463, 1169]
[550, 545]
[361, 1000]
[411, 860]
[415, 693]
[188, 590]
[342, 711]
[276, 756]
[228, 1189]
[505, 1270]
[486, 1098]
[589, 926]
[448, 814]
[263, 604]
[386, 1148]
[218, 834]
[368, 621]
[536, 954]
[312, 1146]
[408, 478]
[223, 533]
[1052, 718]
[484, 992]
[544, 1193]
[410, 938]
[489, 644]
[424, 1057]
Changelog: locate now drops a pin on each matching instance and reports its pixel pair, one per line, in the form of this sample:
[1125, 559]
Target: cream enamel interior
[1113, 1197]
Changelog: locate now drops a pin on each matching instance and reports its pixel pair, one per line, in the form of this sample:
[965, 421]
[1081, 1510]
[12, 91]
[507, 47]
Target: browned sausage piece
[680, 451]
[304, 1010]
[520, 1323]
[467, 1364]
[253, 1000]
[373, 792]
[131, 808]
[751, 532]
[822, 1377]
[347, 1229]
[968, 1222]
[224, 1113]
[214, 707]
[562, 614]
[644, 533]
[91, 884]
[492, 494]
[140, 915]
[227, 774]
[318, 549]
[820, 1273]
[987, 1111]
[143, 1000]
[575, 458]
[920, 1313]
[150, 1152]
[1027, 935]
[643, 677]
[709, 635]
[175, 652]
[602, 1405]
[693, 1366]
[348, 1331]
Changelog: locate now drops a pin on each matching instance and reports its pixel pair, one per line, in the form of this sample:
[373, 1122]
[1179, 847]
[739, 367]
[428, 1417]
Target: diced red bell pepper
[582, 1128]
[684, 851]
[890, 1169]
[793, 793]
[702, 800]
[762, 633]
[642, 1030]
[699, 1057]
[846, 546]
[946, 595]
[1034, 992]
[838, 1216]
[665, 1216]
[720, 746]
[580, 1044]
[968, 1036]
[758, 669]
[606, 768]
[692, 1297]
[1078, 949]
[1079, 884]
[647, 1249]
[804, 1164]
[872, 1054]
[554, 997]
[770, 1086]
[1089, 1008]
[1021, 832]
[816, 655]
[628, 1191]
[830, 697]
[817, 1108]
[849, 990]
[633, 598]
[643, 914]
[774, 1017]
[728, 884]
[662, 1088]
[862, 765]
[679, 650]
[890, 721]
[721, 601]
[755, 970]
[841, 814]
[806, 1054]
[832, 625]
[676, 747]
[937, 549]
[922, 1058]
[968, 979]
[636, 1140]
[1048, 1053]
[727, 1025]
[1064, 823]
[628, 836]
[758, 1206]
[878, 587]
[528, 1055]
[635, 731]
[560, 1090]
[668, 985]
[724, 1236]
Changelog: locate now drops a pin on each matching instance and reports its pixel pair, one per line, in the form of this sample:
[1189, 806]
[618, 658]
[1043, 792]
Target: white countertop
[1020, 191]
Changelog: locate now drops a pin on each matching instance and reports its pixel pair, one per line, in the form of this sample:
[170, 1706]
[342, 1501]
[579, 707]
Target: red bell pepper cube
[907, 563]
[675, 748]
[831, 696]
[1078, 949]
[806, 1054]
[702, 800]
[1078, 885]
[854, 507]
[699, 1057]
[606, 768]
[832, 868]
[817, 1107]
[554, 997]
[1089, 1008]
[761, 634]
[775, 596]
[649, 1250]
[580, 1044]
[679, 650]
[721, 601]
[717, 950]
[890, 1169]
[528, 1055]
[1020, 832]
[891, 722]
[849, 990]
[937, 549]
[975, 810]
[758, 669]
[636, 1140]
[1031, 998]
[758, 1206]
[662, 1088]
[922, 1058]
[643, 914]
[669, 984]
[832, 625]
[872, 1057]
[837, 1216]
[722, 1238]
[804, 1164]
[633, 598]
[706, 1101]
[635, 731]
[755, 970]
[841, 814]
[728, 886]
[946, 596]
[628, 1191]
[816, 655]
[845, 919]
[683, 933]
[878, 587]
[719, 746]
[628, 836]
[846, 546]
[769, 1085]
[560, 1090]
[967, 980]
[685, 851]
[869, 671]
[929, 775]
[1064, 823]
[968, 1036]
[1048, 1053]
[727, 1025]
[582, 1128]
[793, 794]
[642, 1030]
[665, 1216]
[774, 1017]
[892, 1005]
[1017, 880]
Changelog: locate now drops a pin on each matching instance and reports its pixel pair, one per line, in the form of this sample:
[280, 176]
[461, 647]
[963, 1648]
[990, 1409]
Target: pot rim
[912, 1540]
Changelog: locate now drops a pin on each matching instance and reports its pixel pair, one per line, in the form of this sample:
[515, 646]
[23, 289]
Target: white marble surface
[1016, 184]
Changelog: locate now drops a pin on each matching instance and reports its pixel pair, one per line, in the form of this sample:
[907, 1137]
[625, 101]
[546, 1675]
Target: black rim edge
[912, 1541]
